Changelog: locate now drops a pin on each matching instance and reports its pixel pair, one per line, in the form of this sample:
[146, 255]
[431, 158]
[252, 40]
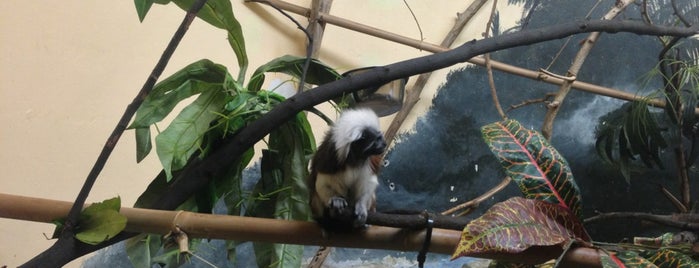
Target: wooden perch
[199, 225]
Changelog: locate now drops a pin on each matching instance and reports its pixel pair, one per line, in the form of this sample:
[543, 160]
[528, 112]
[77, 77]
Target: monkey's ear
[355, 134]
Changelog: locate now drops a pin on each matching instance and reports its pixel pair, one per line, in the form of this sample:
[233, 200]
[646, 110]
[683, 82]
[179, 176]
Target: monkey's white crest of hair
[349, 127]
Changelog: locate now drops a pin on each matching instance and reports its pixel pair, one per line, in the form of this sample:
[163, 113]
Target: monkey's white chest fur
[356, 185]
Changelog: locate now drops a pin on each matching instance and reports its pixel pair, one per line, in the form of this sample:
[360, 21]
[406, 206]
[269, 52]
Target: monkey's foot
[337, 206]
[360, 215]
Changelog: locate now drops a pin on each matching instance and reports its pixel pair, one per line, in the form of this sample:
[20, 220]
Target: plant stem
[489, 67]
[478, 200]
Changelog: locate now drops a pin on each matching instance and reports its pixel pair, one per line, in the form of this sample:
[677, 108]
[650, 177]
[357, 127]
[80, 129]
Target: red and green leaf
[538, 169]
[671, 258]
[517, 224]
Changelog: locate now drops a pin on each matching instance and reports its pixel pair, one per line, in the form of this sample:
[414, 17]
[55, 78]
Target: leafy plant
[222, 106]
[629, 133]
[98, 222]
[538, 169]
[550, 216]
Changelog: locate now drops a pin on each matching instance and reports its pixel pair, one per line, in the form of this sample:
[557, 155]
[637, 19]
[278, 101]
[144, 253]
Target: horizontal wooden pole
[199, 225]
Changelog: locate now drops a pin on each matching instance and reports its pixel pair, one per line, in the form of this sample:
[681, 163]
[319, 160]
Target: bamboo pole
[564, 89]
[478, 60]
[412, 96]
[316, 27]
[199, 225]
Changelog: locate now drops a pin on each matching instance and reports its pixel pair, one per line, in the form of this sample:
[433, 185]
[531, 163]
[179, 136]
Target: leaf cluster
[550, 214]
[629, 133]
[223, 105]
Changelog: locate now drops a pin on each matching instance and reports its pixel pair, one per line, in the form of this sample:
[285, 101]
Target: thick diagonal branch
[198, 175]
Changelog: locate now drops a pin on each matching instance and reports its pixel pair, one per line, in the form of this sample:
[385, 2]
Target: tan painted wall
[69, 68]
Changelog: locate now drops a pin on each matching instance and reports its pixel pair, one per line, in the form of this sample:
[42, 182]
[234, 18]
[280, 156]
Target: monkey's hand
[360, 215]
[337, 206]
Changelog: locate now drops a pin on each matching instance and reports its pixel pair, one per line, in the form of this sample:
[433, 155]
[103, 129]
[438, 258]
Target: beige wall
[69, 68]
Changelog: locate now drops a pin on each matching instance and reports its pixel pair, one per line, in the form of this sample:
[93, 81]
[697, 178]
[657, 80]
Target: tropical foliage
[223, 105]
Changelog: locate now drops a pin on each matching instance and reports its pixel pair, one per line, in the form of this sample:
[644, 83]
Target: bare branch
[546, 99]
[478, 200]
[489, 67]
[680, 221]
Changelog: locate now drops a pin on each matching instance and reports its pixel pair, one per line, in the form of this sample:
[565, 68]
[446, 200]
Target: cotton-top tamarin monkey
[343, 171]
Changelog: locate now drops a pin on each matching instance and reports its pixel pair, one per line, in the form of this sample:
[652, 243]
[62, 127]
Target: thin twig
[675, 220]
[131, 109]
[565, 44]
[489, 68]
[414, 18]
[412, 96]
[646, 18]
[309, 47]
[678, 204]
[478, 200]
[671, 80]
[546, 99]
[679, 14]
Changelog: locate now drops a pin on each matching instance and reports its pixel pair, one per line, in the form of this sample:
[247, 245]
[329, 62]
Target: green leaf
[185, 83]
[176, 144]
[629, 133]
[518, 224]
[100, 222]
[283, 187]
[155, 189]
[142, 248]
[109, 204]
[60, 223]
[219, 13]
[538, 169]
[228, 186]
[317, 73]
[237, 43]
[630, 259]
[142, 7]
[143, 143]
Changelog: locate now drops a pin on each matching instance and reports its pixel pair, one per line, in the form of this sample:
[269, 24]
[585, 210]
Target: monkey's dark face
[370, 143]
